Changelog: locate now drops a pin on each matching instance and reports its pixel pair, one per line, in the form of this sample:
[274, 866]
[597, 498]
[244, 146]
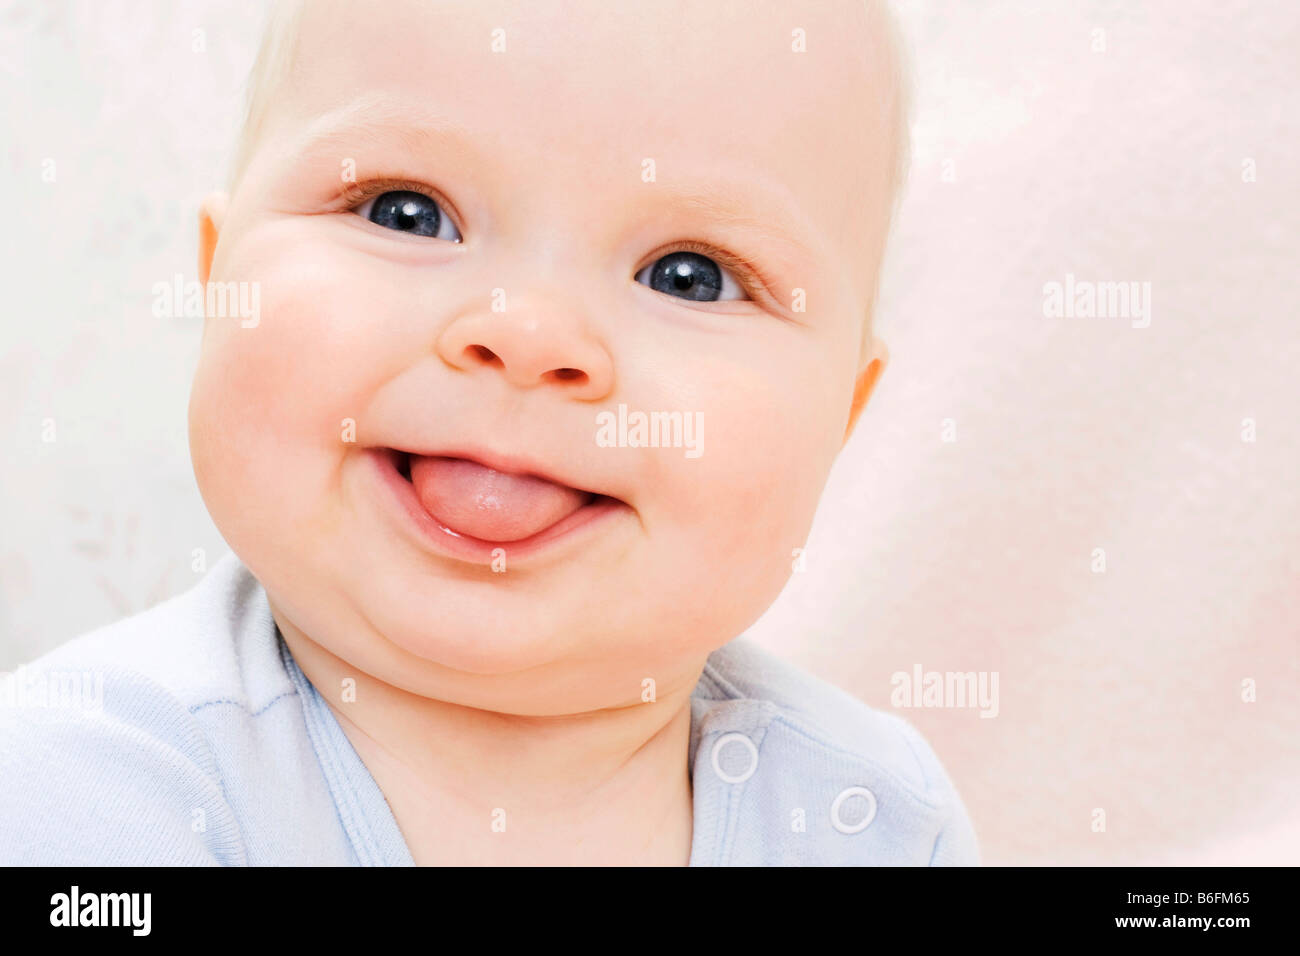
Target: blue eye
[413, 213]
[691, 276]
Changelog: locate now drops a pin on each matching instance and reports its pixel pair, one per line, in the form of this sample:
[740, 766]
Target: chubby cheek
[269, 404]
[727, 523]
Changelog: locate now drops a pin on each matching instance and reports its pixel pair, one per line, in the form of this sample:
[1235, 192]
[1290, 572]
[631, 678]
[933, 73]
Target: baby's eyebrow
[727, 205]
[377, 118]
[751, 206]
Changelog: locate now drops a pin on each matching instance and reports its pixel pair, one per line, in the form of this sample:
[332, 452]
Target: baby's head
[491, 239]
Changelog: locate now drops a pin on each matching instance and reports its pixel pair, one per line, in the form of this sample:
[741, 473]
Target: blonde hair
[901, 102]
[274, 62]
[899, 110]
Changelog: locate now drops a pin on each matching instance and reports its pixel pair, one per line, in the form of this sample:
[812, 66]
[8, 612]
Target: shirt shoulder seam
[922, 796]
[243, 705]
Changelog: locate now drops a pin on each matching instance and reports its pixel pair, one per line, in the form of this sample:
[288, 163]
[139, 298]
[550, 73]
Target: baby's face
[475, 227]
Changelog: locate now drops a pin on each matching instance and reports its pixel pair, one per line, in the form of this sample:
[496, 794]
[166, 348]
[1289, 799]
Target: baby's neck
[476, 787]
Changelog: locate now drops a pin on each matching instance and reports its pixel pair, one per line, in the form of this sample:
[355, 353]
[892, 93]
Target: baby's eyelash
[751, 273]
[354, 194]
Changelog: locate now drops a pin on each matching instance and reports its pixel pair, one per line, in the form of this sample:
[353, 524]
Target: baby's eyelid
[748, 274]
[356, 195]
[737, 277]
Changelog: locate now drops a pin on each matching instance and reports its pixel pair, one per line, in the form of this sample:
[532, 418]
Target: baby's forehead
[802, 96]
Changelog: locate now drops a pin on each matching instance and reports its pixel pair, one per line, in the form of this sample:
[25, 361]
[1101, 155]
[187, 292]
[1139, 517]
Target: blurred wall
[1140, 142]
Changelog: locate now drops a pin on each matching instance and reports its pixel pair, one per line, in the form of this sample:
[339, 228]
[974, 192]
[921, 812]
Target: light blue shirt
[187, 735]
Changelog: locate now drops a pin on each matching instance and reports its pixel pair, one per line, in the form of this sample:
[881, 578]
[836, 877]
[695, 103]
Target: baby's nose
[530, 347]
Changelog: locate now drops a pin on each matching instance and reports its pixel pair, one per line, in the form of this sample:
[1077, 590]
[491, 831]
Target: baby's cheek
[325, 341]
[741, 509]
[275, 406]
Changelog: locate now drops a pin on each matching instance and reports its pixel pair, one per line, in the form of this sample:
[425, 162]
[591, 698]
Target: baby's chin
[476, 626]
[556, 645]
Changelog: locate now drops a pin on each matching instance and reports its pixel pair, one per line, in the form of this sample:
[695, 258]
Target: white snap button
[753, 754]
[861, 824]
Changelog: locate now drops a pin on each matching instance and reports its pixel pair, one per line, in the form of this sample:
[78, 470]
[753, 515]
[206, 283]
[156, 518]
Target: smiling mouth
[486, 507]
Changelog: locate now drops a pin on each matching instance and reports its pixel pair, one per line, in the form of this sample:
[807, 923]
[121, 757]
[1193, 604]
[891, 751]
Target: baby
[564, 314]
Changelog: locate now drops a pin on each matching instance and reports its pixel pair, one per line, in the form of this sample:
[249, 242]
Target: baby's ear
[874, 362]
[212, 213]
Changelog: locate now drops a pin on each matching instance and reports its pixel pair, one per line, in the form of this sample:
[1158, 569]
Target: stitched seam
[243, 706]
[950, 811]
[934, 850]
[885, 771]
[906, 730]
[721, 683]
[732, 795]
[343, 795]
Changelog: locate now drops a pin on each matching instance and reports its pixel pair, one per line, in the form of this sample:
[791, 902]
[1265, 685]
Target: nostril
[569, 374]
[484, 354]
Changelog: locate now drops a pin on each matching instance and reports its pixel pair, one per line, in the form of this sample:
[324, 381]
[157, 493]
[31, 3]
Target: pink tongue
[473, 499]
